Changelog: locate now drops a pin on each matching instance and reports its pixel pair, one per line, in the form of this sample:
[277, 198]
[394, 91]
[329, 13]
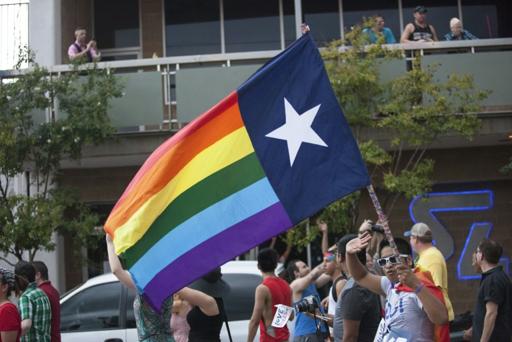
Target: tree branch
[411, 158]
[397, 163]
[7, 261]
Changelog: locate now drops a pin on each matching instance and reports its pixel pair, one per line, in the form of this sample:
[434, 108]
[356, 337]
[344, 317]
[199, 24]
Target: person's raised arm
[115, 265]
[204, 302]
[491, 312]
[300, 284]
[357, 270]
[409, 28]
[433, 307]
[322, 280]
[324, 229]
[261, 294]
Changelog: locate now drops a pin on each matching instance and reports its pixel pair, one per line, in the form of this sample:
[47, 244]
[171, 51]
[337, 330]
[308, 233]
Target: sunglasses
[392, 260]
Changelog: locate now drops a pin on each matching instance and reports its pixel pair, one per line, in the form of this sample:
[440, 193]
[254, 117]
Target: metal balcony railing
[166, 93]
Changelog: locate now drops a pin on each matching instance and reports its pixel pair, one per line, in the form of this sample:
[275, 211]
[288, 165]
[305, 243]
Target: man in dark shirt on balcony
[419, 30]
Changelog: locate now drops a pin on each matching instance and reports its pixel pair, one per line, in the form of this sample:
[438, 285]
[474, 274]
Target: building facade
[177, 58]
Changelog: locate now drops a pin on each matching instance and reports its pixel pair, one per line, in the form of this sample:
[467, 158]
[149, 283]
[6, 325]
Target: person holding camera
[80, 50]
[304, 283]
[414, 305]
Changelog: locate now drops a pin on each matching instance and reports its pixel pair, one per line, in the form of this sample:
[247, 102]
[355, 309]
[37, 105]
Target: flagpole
[382, 218]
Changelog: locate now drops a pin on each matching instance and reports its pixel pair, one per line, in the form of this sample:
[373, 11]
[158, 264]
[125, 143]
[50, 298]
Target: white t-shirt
[405, 320]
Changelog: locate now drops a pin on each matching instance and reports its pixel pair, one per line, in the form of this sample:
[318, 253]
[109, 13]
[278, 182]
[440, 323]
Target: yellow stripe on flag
[217, 156]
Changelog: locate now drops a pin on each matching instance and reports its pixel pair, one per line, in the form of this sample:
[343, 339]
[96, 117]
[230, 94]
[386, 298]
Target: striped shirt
[35, 305]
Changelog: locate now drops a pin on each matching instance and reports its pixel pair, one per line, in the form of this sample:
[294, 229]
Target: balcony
[162, 95]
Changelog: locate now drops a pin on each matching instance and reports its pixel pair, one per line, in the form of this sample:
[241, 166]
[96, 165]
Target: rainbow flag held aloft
[270, 154]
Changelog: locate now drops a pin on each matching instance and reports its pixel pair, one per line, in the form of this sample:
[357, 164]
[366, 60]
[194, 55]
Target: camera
[308, 304]
[377, 228]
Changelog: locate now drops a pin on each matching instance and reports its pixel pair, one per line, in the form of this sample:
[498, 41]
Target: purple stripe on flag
[216, 251]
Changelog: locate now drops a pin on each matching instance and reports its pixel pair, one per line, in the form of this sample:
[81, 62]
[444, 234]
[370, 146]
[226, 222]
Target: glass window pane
[439, 13]
[323, 19]
[487, 19]
[116, 23]
[95, 308]
[251, 25]
[289, 21]
[354, 11]
[240, 300]
[192, 27]
[130, 315]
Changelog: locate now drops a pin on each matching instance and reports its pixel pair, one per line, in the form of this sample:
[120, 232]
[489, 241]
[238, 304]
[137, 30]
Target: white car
[101, 309]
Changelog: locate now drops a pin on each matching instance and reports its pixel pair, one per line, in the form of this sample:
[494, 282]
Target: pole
[382, 218]
[308, 249]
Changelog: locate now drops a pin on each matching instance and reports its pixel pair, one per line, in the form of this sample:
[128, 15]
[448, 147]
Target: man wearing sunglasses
[413, 306]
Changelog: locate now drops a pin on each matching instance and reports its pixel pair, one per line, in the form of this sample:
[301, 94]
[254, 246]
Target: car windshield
[240, 300]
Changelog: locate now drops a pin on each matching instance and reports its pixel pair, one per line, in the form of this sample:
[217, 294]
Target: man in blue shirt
[378, 29]
[457, 32]
[304, 282]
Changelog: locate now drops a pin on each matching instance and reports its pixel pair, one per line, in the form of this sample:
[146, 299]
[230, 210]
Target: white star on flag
[297, 130]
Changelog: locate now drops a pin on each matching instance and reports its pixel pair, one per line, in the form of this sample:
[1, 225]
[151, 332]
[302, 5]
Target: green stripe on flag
[209, 191]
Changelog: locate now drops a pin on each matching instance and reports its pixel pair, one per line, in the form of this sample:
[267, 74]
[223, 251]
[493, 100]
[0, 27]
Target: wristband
[419, 288]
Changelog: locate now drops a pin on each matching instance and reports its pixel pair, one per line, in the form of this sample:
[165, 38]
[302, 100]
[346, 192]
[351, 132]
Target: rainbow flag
[270, 154]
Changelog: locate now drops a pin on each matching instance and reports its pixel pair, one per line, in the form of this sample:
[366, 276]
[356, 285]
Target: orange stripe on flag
[158, 171]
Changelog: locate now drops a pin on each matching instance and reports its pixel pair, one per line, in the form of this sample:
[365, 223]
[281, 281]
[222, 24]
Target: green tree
[35, 149]
[413, 110]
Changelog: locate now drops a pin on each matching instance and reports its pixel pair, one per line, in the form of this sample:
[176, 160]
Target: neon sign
[424, 209]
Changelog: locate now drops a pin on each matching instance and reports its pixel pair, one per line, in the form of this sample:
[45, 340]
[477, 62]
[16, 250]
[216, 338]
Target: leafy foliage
[33, 141]
[407, 113]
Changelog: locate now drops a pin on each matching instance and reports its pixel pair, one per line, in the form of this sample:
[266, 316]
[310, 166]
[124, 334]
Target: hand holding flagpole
[382, 218]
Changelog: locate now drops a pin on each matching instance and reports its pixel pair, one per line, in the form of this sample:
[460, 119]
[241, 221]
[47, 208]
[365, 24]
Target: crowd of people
[419, 30]
[377, 293]
[380, 293]
[37, 315]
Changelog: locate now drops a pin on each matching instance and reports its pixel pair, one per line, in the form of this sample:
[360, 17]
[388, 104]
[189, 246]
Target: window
[240, 300]
[354, 11]
[487, 19]
[289, 21]
[192, 27]
[130, 316]
[96, 308]
[323, 18]
[251, 25]
[439, 13]
[116, 23]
